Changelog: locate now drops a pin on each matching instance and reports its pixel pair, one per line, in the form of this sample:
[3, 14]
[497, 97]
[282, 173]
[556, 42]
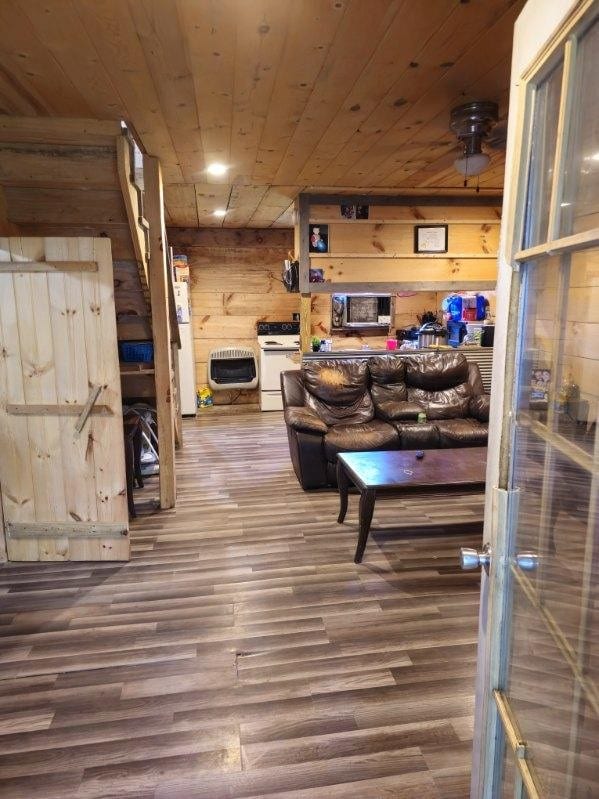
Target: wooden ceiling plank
[13, 100]
[379, 160]
[261, 32]
[436, 61]
[242, 204]
[491, 84]
[160, 35]
[32, 68]
[59, 27]
[209, 42]
[113, 33]
[312, 28]
[362, 27]
[275, 201]
[209, 197]
[180, 205]
[411, 35]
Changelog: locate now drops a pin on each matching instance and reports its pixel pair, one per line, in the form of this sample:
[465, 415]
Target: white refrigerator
[187, 378]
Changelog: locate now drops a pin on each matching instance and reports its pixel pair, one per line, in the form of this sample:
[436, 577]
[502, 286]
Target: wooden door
[62, 465]
[537, 710]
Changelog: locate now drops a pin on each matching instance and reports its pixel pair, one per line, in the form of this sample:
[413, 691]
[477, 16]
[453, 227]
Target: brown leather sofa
[349, 405]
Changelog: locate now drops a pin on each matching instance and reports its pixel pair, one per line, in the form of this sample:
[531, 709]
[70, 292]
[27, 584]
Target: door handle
[471, 559]
[527, 561]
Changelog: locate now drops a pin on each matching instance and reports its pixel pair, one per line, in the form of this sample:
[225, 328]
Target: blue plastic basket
[137, 351]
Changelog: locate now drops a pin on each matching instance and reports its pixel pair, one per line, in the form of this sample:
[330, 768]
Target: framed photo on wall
[319, 238]
[430, 238]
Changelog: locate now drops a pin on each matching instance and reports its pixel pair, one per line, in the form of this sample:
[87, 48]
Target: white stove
[279, 352]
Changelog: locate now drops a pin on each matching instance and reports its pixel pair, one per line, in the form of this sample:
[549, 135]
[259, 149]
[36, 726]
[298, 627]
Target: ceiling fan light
[472, 165]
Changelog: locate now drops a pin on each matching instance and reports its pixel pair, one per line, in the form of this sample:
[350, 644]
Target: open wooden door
[62, 464]
[537, 711]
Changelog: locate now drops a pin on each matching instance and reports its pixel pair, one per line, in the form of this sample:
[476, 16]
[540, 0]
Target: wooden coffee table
[399, 471]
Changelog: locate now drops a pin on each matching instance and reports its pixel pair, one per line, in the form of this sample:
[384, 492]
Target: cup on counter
[391, 344]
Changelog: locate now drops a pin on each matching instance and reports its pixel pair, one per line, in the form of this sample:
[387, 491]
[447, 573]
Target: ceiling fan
[474, 123]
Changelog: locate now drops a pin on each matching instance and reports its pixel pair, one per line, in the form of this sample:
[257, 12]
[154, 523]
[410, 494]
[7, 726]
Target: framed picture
[354, 211]
[316, 276]
[540, 381]
[319, 238]
[430, 238]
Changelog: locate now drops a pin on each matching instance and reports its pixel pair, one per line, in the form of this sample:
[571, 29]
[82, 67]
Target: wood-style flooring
[242, 653]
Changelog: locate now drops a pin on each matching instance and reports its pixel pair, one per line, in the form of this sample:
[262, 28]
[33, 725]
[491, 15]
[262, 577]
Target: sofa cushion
[397, 411]
[413, 435]
[450, 403]
[436, 371]
[479, 407]
[387, 369]
[461, 433]
[362, 437]
[337, 391]
[304, 419]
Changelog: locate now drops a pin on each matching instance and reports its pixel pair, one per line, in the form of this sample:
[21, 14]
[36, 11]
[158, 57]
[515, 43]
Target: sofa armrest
[305, 420]
[398, 411]
[479, 407]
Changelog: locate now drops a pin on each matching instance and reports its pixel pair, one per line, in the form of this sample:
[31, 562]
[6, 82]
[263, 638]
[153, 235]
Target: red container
[469, 314]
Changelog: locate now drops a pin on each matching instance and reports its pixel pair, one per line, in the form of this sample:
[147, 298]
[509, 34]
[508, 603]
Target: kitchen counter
[483, 356]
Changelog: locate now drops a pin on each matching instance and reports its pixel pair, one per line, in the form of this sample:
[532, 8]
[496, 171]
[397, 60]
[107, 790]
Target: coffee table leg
[343, 484]
[367, 499]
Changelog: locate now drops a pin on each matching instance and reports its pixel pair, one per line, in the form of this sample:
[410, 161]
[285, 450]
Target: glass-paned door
[545, 688]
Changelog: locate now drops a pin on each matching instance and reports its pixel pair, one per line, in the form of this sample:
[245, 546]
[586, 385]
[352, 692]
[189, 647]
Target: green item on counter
[421, 417]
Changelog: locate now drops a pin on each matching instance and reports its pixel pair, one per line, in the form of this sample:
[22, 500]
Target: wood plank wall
[380, 249]
[235, 283]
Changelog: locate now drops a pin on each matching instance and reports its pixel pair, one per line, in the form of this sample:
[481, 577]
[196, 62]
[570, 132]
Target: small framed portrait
[430, 238]
[354, 211]
[316, 276]
[319, 238]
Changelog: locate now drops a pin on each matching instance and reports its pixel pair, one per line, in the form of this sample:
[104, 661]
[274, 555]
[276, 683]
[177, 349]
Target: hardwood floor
[242, 653]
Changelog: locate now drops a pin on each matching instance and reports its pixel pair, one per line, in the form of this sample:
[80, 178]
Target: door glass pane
[580, 203]
[542, 154]
[553, 670]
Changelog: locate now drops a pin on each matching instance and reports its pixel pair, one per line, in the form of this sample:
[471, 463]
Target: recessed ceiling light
[595, 157]
[220, 212]
[565, 205]
[216, 169]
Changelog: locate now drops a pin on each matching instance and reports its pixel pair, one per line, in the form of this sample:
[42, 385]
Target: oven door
[272, 363]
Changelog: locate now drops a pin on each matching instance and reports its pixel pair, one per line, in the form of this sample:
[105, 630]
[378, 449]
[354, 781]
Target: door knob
[473, 559]
[527, 561]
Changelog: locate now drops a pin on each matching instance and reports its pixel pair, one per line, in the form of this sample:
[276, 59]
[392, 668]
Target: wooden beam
[130, 197]
[305, 322]
[66, 529]
[55, 130]
[48, 266]
[302, 241]
[406, 199]
[159, 294]
[56, 410]
[177, 394]
[392, 288]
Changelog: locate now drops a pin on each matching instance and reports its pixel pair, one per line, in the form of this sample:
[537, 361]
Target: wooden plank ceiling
[339, 95]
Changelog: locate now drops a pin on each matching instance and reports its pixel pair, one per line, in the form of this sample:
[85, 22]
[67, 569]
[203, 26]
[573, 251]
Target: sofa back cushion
[338, 391]
[450, 403]
[388, 388]
[436, 371]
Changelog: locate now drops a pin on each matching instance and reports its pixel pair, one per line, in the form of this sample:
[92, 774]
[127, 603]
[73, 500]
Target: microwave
[360, 310]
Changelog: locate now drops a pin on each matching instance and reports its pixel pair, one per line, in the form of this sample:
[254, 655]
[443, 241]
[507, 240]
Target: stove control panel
[278, 328]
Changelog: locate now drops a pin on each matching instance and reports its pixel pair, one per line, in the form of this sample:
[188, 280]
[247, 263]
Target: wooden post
[154, 207]
[301, 244]
[305, 322]
[177, 396]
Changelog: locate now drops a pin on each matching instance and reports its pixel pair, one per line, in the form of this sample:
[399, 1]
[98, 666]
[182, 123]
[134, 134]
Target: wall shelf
[446, 256]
